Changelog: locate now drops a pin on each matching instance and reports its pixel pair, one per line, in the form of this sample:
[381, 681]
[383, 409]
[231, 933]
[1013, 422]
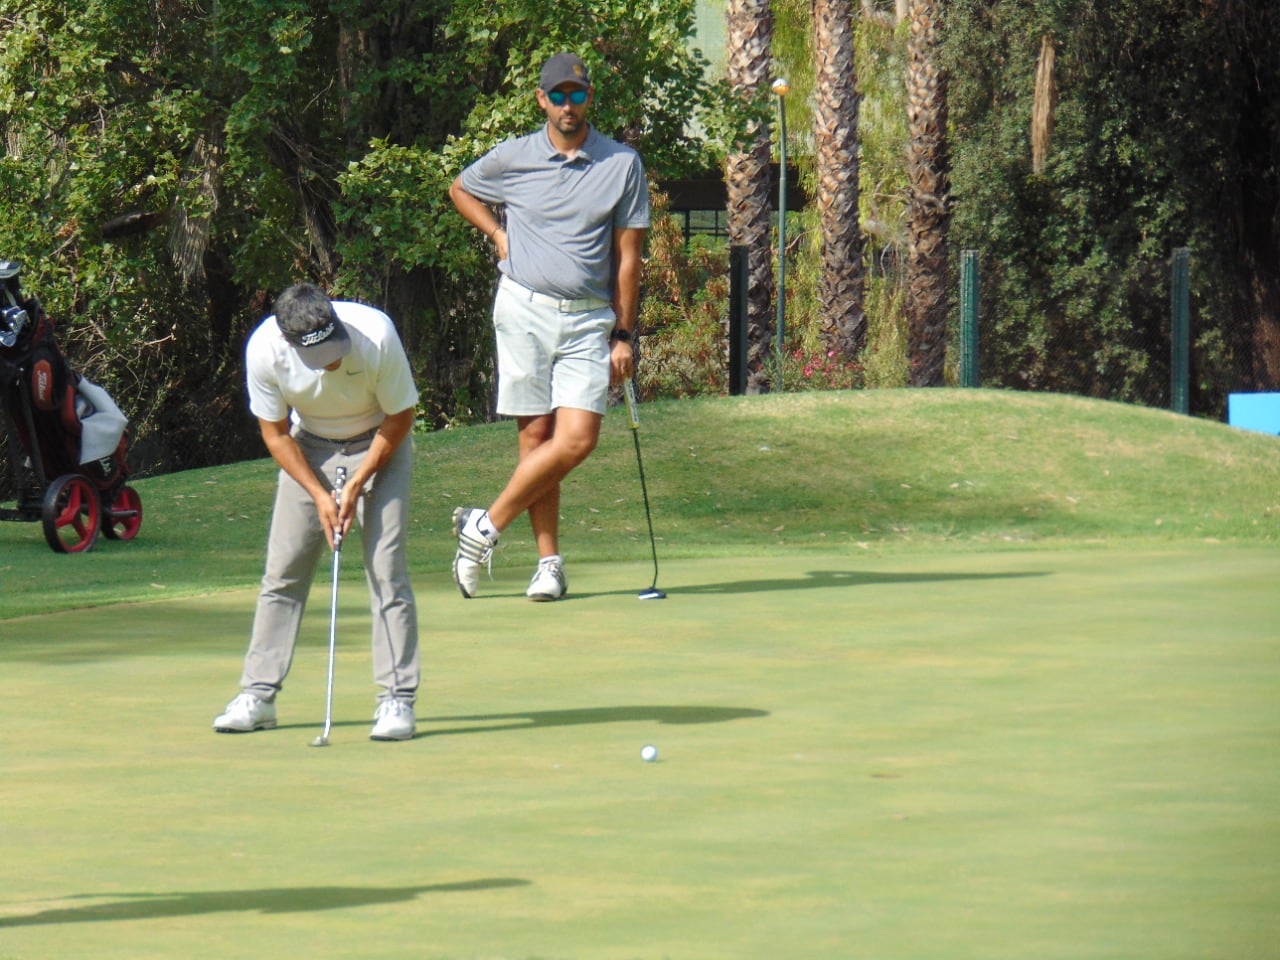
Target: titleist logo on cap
[316, 336]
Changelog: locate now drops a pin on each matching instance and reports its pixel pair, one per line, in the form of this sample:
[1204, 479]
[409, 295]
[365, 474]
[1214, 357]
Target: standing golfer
[577, 208]
[331, 387]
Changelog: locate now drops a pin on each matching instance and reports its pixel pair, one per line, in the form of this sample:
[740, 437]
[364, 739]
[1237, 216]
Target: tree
[928, 214]
[835, 135]
[169, 166]
[1142, 160]
[749, 38]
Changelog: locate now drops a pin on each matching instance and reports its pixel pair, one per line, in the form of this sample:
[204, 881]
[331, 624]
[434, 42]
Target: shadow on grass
[497, 722]
[817, 580]
[536, 719]
[150, 906]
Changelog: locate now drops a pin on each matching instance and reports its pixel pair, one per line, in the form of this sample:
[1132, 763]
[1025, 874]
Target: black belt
[310, 437]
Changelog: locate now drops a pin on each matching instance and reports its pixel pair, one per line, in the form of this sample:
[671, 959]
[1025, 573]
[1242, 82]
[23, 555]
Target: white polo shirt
[373, 380]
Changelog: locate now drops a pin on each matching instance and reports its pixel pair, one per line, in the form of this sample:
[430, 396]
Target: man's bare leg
[544, 513]
[550, 446]
[572, 436]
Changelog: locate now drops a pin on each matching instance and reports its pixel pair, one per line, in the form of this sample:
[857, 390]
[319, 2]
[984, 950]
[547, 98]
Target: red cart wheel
[72, 513]
[121, 520]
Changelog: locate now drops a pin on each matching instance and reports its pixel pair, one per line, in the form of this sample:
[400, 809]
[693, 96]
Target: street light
[781, 88]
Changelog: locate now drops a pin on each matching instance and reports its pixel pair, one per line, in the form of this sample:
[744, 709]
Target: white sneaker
[548, 581]
[475, 550]
[393, 720]
[245, 714]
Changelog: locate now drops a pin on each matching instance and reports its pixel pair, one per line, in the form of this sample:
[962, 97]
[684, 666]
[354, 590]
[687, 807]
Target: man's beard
[568, 123]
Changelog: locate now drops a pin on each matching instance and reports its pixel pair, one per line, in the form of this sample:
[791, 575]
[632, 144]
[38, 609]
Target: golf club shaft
[340, 478]
[333, 643]
[629, 389]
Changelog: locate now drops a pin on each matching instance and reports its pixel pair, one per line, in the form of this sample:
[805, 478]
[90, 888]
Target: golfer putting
[334, 396]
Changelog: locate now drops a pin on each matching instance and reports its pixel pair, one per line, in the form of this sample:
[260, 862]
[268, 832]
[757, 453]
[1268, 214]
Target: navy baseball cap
[564, 68]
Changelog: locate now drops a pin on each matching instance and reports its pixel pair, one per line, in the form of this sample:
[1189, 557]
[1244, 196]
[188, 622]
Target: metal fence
[1171, 349]
[1171, 355]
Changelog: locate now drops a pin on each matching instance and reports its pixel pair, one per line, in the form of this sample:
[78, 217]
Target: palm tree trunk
[928, 208]
[749, 37]
[835, 132]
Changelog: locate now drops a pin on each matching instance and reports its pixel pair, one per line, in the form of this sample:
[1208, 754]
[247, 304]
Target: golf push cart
[65, 435]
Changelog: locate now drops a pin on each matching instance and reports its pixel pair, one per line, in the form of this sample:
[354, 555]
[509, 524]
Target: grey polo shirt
[561, 213]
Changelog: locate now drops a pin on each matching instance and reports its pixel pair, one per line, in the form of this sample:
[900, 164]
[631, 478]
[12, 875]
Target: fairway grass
[1063, 753]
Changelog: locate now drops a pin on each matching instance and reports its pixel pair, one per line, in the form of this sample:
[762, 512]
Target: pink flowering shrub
[819, 370]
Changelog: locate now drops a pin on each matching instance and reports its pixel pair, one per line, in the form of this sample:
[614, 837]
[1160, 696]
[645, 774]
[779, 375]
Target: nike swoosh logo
[355, 373]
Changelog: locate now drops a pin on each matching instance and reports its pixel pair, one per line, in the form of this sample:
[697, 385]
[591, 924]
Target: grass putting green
[1026, 753]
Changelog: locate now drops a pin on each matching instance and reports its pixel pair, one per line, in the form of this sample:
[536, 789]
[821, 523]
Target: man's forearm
[628, 245]
[385, 442]
[474, 210]
[288, 456]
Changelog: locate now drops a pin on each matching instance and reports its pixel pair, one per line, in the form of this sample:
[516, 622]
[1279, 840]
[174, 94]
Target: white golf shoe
[548, 581]
[245, 714]
[475, 550]
[393, 720]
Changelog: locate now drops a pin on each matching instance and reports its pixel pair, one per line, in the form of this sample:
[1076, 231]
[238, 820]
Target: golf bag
[66, 436]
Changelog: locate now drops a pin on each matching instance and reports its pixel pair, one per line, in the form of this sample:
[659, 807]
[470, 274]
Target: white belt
[581, 305]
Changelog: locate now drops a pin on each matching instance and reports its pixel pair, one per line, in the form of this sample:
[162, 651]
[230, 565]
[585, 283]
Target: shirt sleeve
[266, 399]
[395, 388]
[485, 179]
[633, 210]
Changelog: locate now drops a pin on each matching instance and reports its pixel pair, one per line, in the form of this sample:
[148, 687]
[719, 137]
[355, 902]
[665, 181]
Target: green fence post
[739, 277]
[1180, 307]
[969, 318]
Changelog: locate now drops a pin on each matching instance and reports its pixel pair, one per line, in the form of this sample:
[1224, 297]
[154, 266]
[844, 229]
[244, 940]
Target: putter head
[651, 593]
[320, 741]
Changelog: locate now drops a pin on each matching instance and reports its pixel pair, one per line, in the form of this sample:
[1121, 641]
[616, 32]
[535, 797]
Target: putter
[323, 740]
[633, 415]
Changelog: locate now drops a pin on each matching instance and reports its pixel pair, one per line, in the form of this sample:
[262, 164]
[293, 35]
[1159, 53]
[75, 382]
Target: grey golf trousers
[294, 547]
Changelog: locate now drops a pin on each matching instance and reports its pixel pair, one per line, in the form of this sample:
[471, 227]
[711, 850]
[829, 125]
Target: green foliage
[99, 122]
[819, 370]
[880, 59]
[793, 60]
[250, 143]
[1143, 160]
[684, 312]
[396, 208]
[886, 358]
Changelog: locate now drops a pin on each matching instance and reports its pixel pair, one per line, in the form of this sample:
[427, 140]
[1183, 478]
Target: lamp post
[781, 88]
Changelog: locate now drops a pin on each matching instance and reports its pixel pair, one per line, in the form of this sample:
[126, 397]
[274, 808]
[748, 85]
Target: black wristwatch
[623, 335]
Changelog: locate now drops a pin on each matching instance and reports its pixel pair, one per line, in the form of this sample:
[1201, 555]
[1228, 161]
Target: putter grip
[629, 388]
[339, 480]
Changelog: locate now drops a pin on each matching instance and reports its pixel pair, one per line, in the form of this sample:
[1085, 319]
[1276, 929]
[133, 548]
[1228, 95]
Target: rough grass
[883, 469]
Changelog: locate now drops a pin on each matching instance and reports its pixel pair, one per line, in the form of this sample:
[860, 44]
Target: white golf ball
[648, 753]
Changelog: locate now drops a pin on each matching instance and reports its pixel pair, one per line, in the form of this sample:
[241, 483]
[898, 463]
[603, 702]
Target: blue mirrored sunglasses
[558, 97]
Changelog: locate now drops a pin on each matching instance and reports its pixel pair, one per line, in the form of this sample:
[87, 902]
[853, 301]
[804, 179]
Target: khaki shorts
[551, 353]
